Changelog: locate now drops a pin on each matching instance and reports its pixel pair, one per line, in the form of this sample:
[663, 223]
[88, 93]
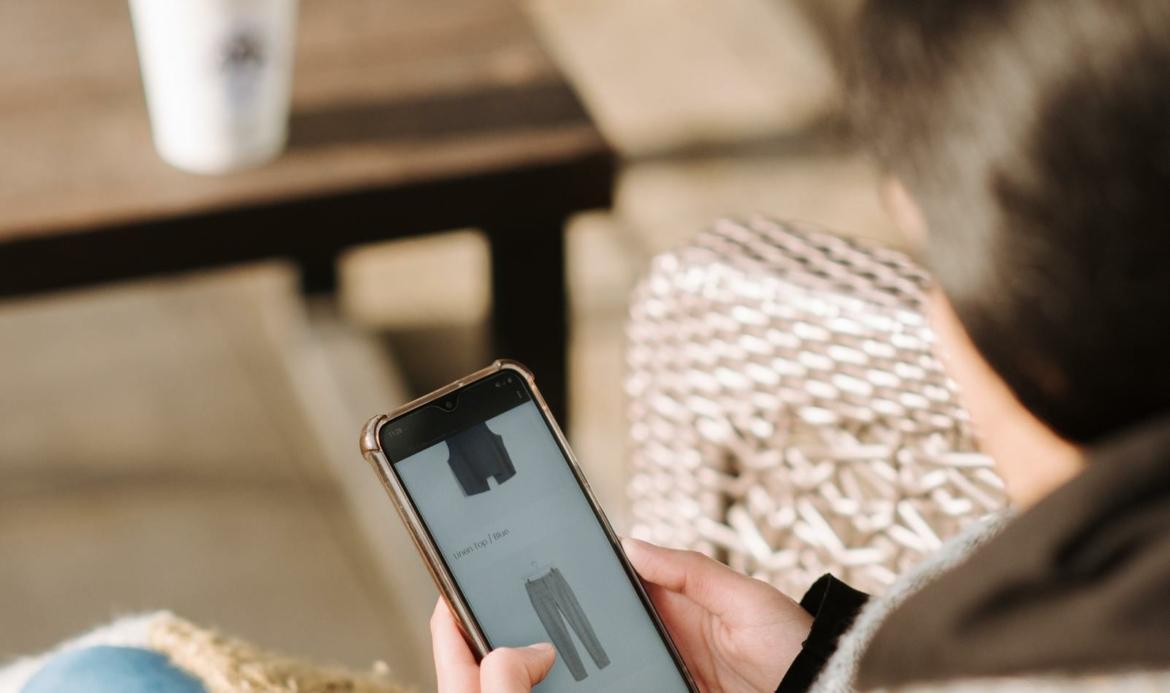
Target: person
[1027, 143]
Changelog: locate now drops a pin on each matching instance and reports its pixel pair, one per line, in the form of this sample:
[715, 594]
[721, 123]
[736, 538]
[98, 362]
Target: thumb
[708, 583]
[516, 669]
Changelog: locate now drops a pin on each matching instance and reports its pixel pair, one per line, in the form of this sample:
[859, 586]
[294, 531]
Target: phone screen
[501, 503]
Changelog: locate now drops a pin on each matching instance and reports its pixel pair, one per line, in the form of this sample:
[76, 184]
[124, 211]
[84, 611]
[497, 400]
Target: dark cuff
[833, 606]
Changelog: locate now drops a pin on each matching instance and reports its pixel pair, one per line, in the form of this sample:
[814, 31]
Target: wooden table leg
[530, 305]
[318, 272]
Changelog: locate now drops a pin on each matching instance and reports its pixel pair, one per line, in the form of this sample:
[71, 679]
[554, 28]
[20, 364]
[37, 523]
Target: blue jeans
[110, 669]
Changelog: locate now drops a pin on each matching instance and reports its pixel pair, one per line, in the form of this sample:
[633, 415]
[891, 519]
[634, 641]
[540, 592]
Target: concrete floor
[189, 443]
[154, 454]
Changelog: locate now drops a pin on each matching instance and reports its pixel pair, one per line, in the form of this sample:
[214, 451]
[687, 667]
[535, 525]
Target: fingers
[455, 666]
[516, 669]
[707, 582]
[504, 670]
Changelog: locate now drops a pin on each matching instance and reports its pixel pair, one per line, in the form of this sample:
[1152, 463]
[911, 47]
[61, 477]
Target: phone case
[371, 448]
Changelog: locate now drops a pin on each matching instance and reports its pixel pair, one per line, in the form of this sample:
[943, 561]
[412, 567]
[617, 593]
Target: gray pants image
[555, 603]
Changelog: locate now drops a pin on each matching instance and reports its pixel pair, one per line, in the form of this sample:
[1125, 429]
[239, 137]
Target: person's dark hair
[1035, 135]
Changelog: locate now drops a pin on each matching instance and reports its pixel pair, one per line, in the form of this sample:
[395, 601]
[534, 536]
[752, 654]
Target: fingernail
[542, 647]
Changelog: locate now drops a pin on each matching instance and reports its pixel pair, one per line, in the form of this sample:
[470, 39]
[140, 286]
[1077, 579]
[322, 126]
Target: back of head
[1035, 135]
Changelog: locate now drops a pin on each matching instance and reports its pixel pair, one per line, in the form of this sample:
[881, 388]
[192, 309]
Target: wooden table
[408, 118]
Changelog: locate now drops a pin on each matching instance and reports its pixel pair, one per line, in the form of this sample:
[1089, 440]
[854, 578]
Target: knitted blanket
[222, 664]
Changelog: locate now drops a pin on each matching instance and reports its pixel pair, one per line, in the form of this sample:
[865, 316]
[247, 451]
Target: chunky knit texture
[223, 664]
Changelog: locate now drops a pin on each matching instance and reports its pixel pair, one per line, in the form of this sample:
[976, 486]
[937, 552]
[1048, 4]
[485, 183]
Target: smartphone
[513, 537]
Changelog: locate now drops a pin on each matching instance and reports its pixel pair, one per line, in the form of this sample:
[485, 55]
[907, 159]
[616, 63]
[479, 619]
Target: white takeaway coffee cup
[218, 75]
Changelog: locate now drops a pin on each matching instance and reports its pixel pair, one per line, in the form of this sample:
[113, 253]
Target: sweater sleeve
[833, 606]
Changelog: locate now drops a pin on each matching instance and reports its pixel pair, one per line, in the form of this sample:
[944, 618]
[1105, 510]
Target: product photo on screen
[477, 454]
[555, 603]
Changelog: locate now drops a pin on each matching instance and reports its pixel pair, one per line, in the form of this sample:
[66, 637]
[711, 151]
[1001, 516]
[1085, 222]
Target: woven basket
[788, 416]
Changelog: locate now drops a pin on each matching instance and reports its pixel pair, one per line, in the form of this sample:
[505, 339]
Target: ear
[905, 211]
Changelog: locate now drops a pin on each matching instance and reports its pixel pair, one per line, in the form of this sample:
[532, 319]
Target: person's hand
[735, 633]
[504, 670]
